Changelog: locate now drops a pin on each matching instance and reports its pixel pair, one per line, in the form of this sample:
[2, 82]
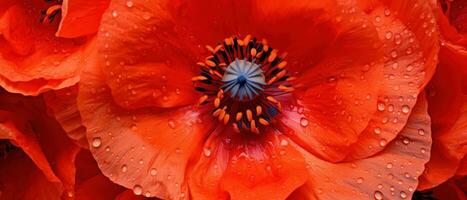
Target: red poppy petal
[247, 168]
[449, 148]
[33, 60]
[98, 187]
[410, 62]
[26, 140]
[146, 149]
[64, 108]
[462, 170]
[26, 123]
[129, 195]
[390, 174]
[21, 179]
[451, 190]
[145, 66]
[81, 17]
[340, 91]
[458, 15]
[448, 109]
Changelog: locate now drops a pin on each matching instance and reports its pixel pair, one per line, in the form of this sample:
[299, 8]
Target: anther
[259, 110]
[253, 52]
[282, 65]
[199, 78]
[239, 116]
[203, 99]
[249, 115]
[226, 118]
[217, 102]
[263, 122]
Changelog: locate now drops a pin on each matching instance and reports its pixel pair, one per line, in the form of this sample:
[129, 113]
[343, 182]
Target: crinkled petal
[64, 108]
[32, 59]
[146, 150]
[390, 174]
[236, 167]
[81, 17]
[21, 179]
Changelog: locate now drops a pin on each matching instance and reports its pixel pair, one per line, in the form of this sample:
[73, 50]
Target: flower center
[244, 80]
[48, 15]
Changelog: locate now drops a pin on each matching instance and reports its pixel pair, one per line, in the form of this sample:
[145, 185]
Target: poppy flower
[199, 99]
[447, 99]
[45, 43]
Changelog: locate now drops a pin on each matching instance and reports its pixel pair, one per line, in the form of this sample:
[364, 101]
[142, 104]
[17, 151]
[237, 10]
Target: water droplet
[389, 165]
[207, 152]
[359, 180]
[171, 123]
[304, 122]
[378, 19]
[129, 4]
[383, 142]
[153, 172]
[406, 141]
[381, 106]
[378, 195]
[422, 150]
[124, 168]
[284, 142]
[405, 109]
[421, 132]
[403, 195]
[387, 12]
[138, 190]
[96, 142]
[147, 194]
[377, 130]
[114, 13]
[388, 35]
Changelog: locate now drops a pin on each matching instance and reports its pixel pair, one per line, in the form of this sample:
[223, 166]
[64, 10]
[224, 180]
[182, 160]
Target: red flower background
[302, 99]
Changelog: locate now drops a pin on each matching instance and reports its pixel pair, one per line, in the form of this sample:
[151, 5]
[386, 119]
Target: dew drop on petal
[377, 130]
[405, 109]
[129, 4]
[207, 152]
[381, 106]
[114, 13]
[403, 195]
[284, 142]
[421, 132]
[359, 180]
[383, 142]
[378, 195]
[171, 123]
[304, 122]
[153, 172]
[96, 142]
[138, 190]
[389, 165]
[388, 35]
[124, 168]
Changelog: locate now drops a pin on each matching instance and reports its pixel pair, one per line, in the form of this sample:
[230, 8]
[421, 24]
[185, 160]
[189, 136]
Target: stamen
[247, 74]
[48, 15]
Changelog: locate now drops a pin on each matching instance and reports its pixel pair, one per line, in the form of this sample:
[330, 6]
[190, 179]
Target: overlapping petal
[24, 121]
[33, 59]
[390, 174]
